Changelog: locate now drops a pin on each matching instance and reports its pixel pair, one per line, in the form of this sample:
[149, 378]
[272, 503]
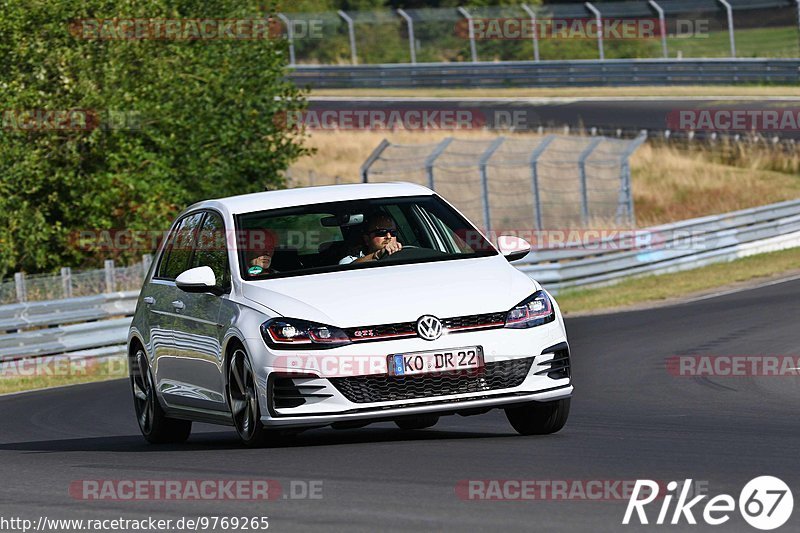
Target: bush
[171, 122]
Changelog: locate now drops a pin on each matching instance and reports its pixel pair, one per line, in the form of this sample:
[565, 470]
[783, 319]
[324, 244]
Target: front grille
[409, 329]
[475, 321]
[495, 375]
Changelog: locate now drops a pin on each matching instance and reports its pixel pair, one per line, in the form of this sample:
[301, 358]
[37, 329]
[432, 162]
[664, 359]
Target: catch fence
[630, 29]
[512, 184]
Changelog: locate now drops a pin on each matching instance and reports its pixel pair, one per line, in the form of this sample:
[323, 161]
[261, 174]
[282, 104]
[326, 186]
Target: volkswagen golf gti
[340, 306]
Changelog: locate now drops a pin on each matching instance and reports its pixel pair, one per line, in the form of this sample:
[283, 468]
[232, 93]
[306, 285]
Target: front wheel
[155, 426]
[243, 401]
[539, 418]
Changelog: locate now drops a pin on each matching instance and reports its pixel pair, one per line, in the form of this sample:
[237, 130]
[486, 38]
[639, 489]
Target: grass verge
[46, 372]
[679, 285]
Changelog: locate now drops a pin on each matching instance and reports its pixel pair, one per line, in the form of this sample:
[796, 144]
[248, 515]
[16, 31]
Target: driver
[380, 240]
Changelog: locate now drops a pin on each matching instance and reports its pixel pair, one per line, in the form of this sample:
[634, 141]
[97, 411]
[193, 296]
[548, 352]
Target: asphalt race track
[630, 419]
[629, 114]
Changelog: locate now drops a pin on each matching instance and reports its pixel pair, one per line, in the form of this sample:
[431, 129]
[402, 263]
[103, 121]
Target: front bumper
[437, 405]
[520, 366]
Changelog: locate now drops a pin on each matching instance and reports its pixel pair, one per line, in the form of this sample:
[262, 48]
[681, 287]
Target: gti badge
[429, 327]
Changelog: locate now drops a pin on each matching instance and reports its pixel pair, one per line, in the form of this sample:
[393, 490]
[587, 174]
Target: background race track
[629, 114]
[630, 419]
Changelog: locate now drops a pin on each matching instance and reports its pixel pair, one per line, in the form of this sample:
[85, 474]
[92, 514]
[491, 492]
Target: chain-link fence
[522, 32]
[547, 182]
[70, 284]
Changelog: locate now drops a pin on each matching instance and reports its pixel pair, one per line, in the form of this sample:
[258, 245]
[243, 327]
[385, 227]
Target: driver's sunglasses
[383, 232]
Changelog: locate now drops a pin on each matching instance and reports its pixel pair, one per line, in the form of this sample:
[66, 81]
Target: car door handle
[177, 304]
[149, 300]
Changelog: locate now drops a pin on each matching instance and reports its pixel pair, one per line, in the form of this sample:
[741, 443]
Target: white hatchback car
[280, 311]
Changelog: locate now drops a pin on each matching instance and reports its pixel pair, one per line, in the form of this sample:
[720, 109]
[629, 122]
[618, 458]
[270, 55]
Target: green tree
[171, 122]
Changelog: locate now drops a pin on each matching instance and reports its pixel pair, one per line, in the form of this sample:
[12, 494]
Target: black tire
[539, 418]
[243, 402]
[155, 426]
[417, 422]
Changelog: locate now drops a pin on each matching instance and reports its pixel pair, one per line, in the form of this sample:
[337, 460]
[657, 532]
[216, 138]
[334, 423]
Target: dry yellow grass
[669, 184]
[341, 153]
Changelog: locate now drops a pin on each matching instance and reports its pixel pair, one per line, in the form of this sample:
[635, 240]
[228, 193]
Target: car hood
[396, 293]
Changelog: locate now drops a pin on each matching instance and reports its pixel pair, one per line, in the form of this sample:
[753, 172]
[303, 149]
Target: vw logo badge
[429, 327]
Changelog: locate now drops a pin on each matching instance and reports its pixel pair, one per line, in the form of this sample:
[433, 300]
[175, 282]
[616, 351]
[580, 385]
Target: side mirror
[513, 248]
[200, 279]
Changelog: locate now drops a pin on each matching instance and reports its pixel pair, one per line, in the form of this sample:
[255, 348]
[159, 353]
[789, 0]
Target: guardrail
[667, 248]
[90, 326]
[612, 72]
[97, 326]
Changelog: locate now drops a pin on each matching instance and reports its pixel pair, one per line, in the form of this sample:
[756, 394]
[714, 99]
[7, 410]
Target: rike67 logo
[765, 503]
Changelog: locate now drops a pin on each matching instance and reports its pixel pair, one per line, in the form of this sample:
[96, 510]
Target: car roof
[260, 201]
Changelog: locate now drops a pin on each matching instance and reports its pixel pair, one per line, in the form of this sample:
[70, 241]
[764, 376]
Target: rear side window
[211, 250]
[179, 250]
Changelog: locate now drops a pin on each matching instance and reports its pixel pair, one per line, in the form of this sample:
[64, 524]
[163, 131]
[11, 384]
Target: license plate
[412, 364]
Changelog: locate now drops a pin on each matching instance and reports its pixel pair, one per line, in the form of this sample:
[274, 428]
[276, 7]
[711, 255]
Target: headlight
[289, 333]
[535, 310]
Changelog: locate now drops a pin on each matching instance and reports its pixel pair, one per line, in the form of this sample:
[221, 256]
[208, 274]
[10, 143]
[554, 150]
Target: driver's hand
[390, 248]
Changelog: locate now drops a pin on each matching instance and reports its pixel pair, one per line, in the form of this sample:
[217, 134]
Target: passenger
[379, 240]
[261, 263]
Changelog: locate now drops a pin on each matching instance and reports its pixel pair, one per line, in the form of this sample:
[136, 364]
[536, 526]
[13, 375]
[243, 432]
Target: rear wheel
[243, 401]
[539, 418]
[417, 422]
[155, 426]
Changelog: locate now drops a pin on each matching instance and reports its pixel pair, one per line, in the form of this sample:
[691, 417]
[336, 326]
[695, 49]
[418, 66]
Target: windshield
[354, 234]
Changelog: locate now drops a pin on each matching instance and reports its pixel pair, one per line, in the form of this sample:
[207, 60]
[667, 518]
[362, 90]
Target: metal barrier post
[599, 19]
[534, 162]
[798, 14]
[582, 171]
[66, 281]
[532, 14]
[411, 43]
[376, 153]
[626, 192]
[431, 159]
[487, 216]
[290, 35]
[352, 31]
[19, 283]
[662, 22]
[729, 9]
[472, 48]
[110, 281]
